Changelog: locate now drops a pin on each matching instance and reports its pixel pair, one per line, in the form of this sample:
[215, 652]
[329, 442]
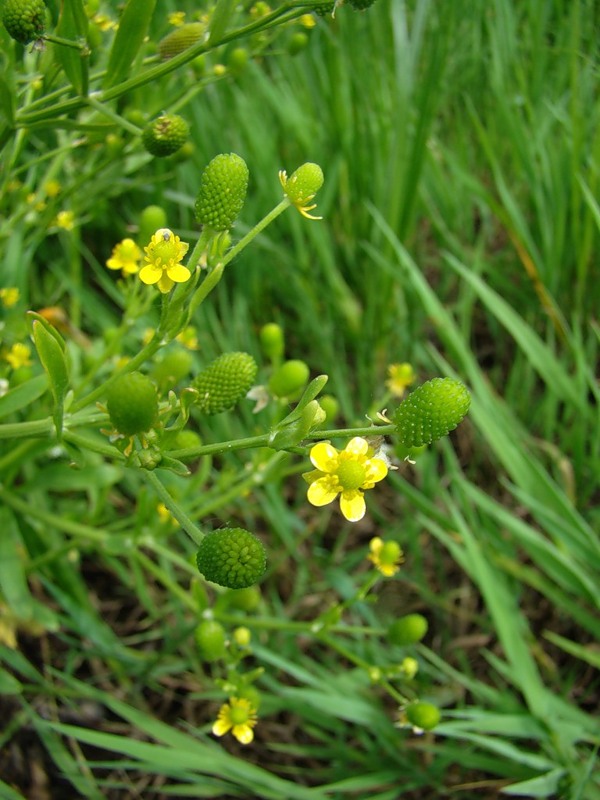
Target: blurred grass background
[460, 150]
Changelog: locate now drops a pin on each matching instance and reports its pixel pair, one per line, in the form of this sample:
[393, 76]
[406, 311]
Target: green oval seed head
[423, 715]
[222, 192]
[210, 640]
[431, 411]
[304, 183]
[180, 39]
[271, 340]
[165, 135]
[407, 630]
[132, 403]
[224, 382]
[289, 378]
[25, 20]
[232, 557]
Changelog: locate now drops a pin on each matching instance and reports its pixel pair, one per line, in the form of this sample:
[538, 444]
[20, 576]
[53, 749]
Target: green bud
[237, 60]
[246, 599]
[232, 557]
[152, 219]
[409, 629]
[271, 340]
[433, 410]
[222, 192]
[289, 378]
[423, 715]
[298, 42]
[165, 135]
[210, 640]
[172, 368]
[330, 406]
[180, 39]
[132, 403]
[224, 382]
[304, 183]
[25, 20]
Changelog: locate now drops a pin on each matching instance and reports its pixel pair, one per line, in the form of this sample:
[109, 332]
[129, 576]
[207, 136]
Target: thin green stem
[193, 531]
[53, 520]
[260, 226]
[161, 576]
[112, 115]
[50, 37]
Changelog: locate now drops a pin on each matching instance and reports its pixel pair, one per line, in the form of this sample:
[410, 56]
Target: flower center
[239, 715]
[351, 475]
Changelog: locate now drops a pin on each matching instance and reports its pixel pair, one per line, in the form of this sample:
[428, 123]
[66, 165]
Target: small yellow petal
[221, 727]
[321, 492]
[324, 457]
[179, 273]
[376, 470]
[357, 446]
[352, 505]
[150, 275]
[165, 284]
[243, 733]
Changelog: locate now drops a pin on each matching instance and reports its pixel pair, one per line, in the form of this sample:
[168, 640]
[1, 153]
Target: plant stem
[182, 518]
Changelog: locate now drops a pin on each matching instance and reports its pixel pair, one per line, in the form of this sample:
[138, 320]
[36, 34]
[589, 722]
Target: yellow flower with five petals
[125, 256]
[386, 556]
[164, 254]
[349, 473]
[237, 716]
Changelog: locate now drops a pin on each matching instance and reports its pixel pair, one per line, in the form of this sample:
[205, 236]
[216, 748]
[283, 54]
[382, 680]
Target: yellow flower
[348, 473]
[399, 377]
[188, 338]
[237, 716]
[9, 296]
[52, 188]
[125, 256]
[176, 18]
[163, 255]
[410, 667]
[386, 556]
[65, 220]
[307, 21]
[105, 23]
[19, 355]
[164, 514]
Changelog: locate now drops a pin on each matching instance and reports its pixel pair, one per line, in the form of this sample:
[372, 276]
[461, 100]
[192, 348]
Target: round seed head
[224, 382]
[25, 20]
[165, 135]
[232, 557]
[132, 403]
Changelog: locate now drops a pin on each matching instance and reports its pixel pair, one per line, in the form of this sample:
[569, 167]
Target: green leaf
[73, 25]
[13, 581]
[23, 395]
[133, 26]
[7, 101]
[8, 685]
[542, 786]
[220, 20]
[54, 362]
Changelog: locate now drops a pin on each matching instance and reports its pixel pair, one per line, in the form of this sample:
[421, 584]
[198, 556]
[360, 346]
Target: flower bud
[165, 135]
[173, 367]
[180, 39]
[423, 715]
[132, 403]
[231, 557]
[25, 20]
[224, 382]
[222, 192]
[210, 640]
[431, 411]
[304, 183]
[271, 340]
[246, 599]
[407, 630]
[289, 378]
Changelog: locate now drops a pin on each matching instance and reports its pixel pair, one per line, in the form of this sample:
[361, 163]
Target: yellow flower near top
[9, 296]
[52, 188]
[386, 556]
[237, 716]
[176, 18]
[399, 377]
[164, 254]
[19, 356]
[65, 220]
[348, 473]
[125, 256]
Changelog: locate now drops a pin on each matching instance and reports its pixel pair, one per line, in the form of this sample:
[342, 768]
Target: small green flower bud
[173, 367]
[165, 135]
[231, 557]
[180, 39]
[149, 459]
[298, 42]
[152, 219]
[304, 183]
[289, 378]
[224, 382]
[330, 406]
[423, 715]
[132, 403]
[222, 192]
[431, 411]
[242, 636]
[237, 60]
[271, 340]
[407, 630]
[25, 20]
[186, 439]
[210, 640]
[243, 599]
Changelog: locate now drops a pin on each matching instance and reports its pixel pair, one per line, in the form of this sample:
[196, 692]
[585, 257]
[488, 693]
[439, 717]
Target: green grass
[460, 225]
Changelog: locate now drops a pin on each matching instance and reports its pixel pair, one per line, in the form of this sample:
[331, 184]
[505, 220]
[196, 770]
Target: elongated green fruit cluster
[232, 557]
[180, 39]
[431, 411]
[165, 135]
[132, 403]
[224, 382]
[222, 192]
[25, 20]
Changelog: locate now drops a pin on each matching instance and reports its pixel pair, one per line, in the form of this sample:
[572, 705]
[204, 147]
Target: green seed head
[224, 382]
[132, 403]
[222, 192]
[423, 715]
[407, 630]
[180, 39]
[232, 557]
[210, 640]
[173, 367]
[431, 411]
[165, 135]
[271, 340]
[25, 20]
[304, 183]
[289, 378]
